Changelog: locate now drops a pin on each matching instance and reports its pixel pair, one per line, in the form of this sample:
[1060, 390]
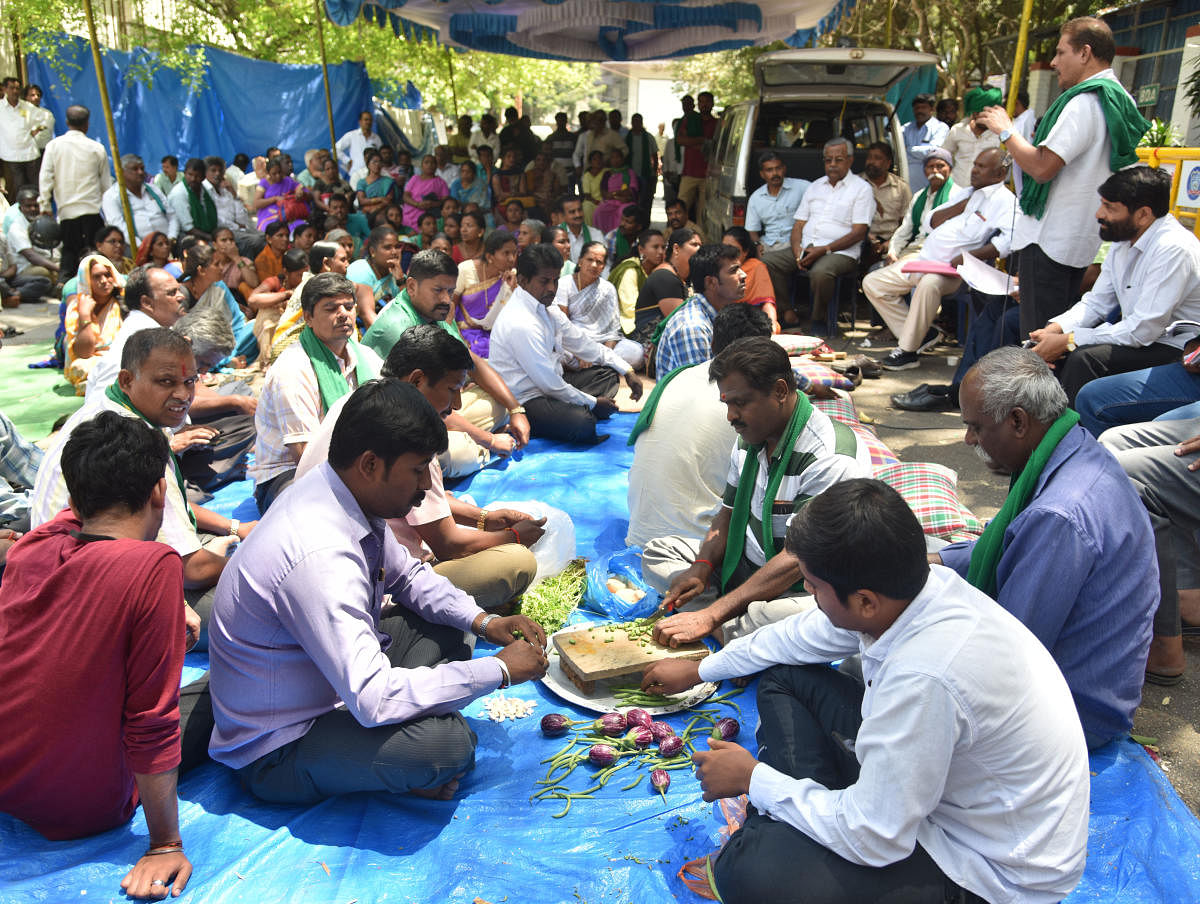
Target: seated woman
[514, 216]
[304, 236]
[666, 288]
[592, 185]
[155, 251]
[618, 187]
[423, 192]
[330, 183]
[279, 198]
[759, 289]
[441, 242]
[508, 183]
[375, 191]
[543, 184]
[560, 239]
[630, 275]
[426, 229]
[483, 287]
[451, 227]
[202, 286]
[470, 237]
[93, 318]
[591, 304]
[109, 242]
[270, 260]
[393, 216]
[237, 272]
[469, 188]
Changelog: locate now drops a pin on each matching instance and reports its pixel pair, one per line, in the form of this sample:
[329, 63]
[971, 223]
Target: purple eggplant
[660, 781]
[726, 729]
[661, 730]
[639, 717]
[637, 737]
[611, 724]
[555, 725]
[671, 745]
[602, 755]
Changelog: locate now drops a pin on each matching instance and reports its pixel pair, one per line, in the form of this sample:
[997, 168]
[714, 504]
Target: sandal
[868, 366]
[9, 331]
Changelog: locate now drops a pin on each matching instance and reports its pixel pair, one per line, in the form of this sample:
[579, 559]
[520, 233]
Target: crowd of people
[381, 329]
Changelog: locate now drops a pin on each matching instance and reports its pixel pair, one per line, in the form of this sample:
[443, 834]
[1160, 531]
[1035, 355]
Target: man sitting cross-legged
[317, 690]
[787, 452]
[491, 562]
[976, 221]
[156, 384]
[719, 281]
[304, 382]
[957, 773]
[93, 711]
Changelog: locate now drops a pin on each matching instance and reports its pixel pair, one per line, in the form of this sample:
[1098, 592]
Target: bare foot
[1166, 656]
[1189, 606]
[445, 792]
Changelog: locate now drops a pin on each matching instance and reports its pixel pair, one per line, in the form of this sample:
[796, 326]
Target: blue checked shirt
[687, 337]
[19, 462]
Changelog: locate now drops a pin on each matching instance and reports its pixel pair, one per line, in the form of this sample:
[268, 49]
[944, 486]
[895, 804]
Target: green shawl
[985, 557]
[1126, 126]
[940, 198]
[202, 209]
[330, 381]
[650, 406]
[735, 541]
[117, 394]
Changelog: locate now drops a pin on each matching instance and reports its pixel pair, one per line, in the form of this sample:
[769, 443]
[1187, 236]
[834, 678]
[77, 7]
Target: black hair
[241, 161]
[550, 233]
[707, 261]
[319, 253]
[680, 236]
[427, 215]
[199, 254]
[1093, 32]
[113, 461]
[429, 349]
[1139, 186]
[213, 160]
[568, 199]
[140, 345]
[588, 245]
[646, 235]
[475, 215]
[171, 159]
[923, 99]
[738, 321]
[294, 259]
[103, 233]
[137, 287]
[376, 236]
[322, 286]
[430, 263]
[740, 235]
[389, 418]
[860, 534]
[273, 228]
[536, 258]
[675, 202]
[760, 360]
[884, 148]
[1023, 98]
[195, 165]
[768, 156]
[946, 103]
[78, 116]
[497, 239]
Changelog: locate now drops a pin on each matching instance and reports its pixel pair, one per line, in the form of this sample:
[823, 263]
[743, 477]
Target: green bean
[563, 812]
[633, 784]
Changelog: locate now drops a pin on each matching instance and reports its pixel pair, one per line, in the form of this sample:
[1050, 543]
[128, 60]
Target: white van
[805, 97]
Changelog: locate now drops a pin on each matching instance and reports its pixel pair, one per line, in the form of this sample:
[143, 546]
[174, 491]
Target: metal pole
[1019, 60]
[102, 84]
[453, 90]
[325, 76]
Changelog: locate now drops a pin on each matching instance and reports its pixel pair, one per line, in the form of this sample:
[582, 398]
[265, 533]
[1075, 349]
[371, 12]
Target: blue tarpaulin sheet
[244, 105]
[490, 841]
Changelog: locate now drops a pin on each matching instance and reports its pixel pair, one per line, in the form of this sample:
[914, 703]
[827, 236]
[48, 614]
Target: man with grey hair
[150, 210]
[828, 231]
[1071, 552]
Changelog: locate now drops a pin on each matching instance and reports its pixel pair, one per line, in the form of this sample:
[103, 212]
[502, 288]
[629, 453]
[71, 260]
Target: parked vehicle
[805, 97]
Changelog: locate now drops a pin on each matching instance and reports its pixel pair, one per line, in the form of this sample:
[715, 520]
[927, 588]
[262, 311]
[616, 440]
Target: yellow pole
[325, 76]
[102, 84]
[1019, 60]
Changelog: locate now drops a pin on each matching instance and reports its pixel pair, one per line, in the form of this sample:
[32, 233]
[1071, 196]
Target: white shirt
[350, 148]
[831, 211]
[448, 173]
[586, 236]
[17, 237]
[75, 173]
[900, 244]
[578, 344]
[1155, 281]
[1080, 138]
[177, 203]
[492, 141]
[17, 145]
[988, 217]
[918, 142]
[50, 491]
[1024, 125]
[44, 118]
[970, 745]
[527, 349]
[675, 487]
[104, 371]
[150, 214]
[231, 213]
[962, 142]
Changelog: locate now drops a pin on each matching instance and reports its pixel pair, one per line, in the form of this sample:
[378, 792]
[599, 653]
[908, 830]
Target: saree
[607, 215]
[481, 299]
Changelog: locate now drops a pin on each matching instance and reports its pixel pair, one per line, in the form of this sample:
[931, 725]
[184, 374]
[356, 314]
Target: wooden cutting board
[599, 654]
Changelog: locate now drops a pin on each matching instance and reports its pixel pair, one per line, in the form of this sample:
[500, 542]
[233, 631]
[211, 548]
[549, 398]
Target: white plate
[603, 701]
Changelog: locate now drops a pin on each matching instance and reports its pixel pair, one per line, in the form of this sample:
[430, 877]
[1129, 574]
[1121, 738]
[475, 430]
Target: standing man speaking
[1089, 132]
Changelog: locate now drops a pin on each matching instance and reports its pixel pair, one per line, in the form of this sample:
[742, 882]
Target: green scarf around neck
[650, 406]
[202, 209]
[985, 557]
[117, 394]
[330, 381]
[735, 541]
[940, 198]
[1126, 126]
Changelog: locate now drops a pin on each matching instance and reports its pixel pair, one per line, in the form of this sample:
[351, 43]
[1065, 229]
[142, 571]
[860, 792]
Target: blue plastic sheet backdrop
[244, 105]
[491, 842]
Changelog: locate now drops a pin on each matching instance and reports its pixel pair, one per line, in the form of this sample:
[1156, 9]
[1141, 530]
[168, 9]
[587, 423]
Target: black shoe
[925, 398]
[932, 338]
[898, 359]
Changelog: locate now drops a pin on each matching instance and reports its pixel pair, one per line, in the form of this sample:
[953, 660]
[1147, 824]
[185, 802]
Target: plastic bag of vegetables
[615, 587]
[557, 546]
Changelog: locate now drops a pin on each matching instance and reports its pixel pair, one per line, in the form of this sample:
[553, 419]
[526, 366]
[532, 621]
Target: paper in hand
[986, 279]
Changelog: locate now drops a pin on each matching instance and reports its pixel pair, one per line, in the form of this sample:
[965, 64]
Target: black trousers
[19, 173]
[77, 235]
[1047, 288]
[1089, 362]
[195, 724]
[224, 459]
[809, 717]
[555, 419]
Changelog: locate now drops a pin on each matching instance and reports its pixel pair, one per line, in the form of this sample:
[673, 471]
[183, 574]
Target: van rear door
[834, 71]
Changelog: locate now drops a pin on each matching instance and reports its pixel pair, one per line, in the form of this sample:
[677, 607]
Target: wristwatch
[520, 409]
[1071, 341]
[1005, 135]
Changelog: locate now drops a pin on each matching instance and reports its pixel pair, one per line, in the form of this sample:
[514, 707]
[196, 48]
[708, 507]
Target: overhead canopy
[598, 30]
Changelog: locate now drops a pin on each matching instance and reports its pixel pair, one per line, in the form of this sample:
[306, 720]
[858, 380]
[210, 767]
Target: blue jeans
[996, 324]
[1166, 392]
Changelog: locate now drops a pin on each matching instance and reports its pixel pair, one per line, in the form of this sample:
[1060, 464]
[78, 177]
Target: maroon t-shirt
[91, 650]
